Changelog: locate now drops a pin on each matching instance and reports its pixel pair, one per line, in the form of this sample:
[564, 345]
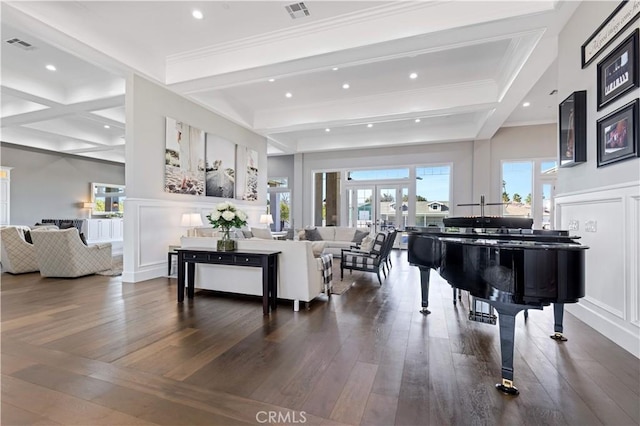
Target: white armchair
[62, 253]
[18, 256]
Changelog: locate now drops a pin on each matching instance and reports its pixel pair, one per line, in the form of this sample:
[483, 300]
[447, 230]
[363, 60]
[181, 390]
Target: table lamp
[267, 219]
[191, 220]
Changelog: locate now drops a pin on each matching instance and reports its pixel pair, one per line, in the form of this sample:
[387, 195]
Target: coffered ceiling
[347, 67]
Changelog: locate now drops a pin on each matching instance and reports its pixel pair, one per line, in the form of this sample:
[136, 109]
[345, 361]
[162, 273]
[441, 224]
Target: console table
[267, 260]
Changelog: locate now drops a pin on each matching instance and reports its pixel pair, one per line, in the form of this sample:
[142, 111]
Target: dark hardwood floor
[95, 351]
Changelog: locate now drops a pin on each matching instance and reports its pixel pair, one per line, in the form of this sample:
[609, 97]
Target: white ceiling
[476, 61]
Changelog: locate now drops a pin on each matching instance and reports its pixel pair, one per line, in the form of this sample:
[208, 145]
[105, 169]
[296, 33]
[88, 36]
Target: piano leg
[424, 287]
[507, 321]
[454, 295]
[558, 314]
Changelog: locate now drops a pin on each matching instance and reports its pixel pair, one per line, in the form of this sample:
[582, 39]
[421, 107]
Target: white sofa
[299, 272]
[336, 238]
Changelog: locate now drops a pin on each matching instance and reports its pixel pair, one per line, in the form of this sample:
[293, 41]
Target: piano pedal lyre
[559, 337]
[507, 387]
[425, 311]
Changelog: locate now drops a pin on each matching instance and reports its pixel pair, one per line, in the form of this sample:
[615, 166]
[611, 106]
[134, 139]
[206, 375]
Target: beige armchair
[18, 256]
[63, 254]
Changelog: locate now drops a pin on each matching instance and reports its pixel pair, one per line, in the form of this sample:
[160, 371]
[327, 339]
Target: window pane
[378, 174]
[548, 167]
[516, 188]
[432, 194]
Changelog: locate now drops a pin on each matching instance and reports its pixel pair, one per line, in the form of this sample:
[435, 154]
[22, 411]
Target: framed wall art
[618, 72]
[572, 130]
[616, 23]
[184, 158]
[220, 167]
[618, 135]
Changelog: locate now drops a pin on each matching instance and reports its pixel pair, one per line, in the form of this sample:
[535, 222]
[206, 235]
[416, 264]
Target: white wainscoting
[151, 226]
[607, 220]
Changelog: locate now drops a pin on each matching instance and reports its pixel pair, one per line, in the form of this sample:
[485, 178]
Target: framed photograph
[572, 128]
[184, 152]
[616, 23]
[618, 135]
[618, 72]
[220, 167]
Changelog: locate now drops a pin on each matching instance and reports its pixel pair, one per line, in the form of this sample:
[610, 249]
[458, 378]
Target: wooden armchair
[63, 254]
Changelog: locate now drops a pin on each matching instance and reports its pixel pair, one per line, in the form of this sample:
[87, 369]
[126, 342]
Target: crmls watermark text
[288, 417]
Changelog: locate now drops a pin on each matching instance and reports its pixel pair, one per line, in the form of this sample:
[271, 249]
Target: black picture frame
[616, 23]
[618, 71]
[618, 134]
[572, 130]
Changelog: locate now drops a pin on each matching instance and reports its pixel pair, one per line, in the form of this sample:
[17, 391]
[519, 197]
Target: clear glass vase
[226, 243]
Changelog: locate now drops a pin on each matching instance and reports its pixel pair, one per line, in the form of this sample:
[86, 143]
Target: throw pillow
[289, 235]
[312, 235]
[84, 240]
[66, 225]
[359, 236]
[263, 233]
[367, 243]
[247, 233]
[27, 237]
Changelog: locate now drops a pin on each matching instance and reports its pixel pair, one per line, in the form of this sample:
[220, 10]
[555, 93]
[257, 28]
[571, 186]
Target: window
[433, 185]
[528, 190]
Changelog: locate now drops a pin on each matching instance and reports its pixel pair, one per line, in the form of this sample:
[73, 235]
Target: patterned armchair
[368, 261]
[63, 254]
[18, 256]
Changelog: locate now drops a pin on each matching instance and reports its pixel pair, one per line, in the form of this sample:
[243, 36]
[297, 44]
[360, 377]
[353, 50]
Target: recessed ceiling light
[369, 125]
[526, 104]
[413, 75]
[345, 86]
[327, 129]
[335, 68]
[417, 120]
[106, 126]
[197, 14]
[271, 80]
[50, 67]
[288, 94]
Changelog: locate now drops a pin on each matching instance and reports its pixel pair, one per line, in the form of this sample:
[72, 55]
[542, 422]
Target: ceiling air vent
[297, 10]
[20, 43]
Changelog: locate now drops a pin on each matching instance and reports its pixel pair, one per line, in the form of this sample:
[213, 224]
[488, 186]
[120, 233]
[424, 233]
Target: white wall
[152, 216]
[476, 165]
[48, 185]
[460, 154]
[601, 204]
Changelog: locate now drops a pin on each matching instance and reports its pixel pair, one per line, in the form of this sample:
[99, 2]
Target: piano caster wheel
[559, 337]
[507, 387]
[425, 311]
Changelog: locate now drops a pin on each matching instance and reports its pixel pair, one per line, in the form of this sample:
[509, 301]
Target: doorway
[378, 207]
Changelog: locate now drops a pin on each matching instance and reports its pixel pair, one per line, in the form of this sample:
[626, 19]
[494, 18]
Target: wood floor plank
[355, 394]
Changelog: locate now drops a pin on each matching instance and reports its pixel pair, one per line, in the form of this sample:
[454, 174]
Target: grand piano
[506, 264]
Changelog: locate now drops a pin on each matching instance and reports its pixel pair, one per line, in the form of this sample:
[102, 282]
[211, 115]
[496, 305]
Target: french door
[378, 207]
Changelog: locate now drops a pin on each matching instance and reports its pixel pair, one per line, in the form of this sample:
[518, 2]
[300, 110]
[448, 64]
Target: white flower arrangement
[226, 216]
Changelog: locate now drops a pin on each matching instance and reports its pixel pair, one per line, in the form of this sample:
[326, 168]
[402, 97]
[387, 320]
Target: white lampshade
[266, 219]
[191, 219]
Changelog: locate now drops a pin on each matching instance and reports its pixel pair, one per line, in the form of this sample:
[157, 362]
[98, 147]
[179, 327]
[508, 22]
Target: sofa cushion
[344, 234]
[327, 233]
[263, 233]
[359, 236]
[312, 234]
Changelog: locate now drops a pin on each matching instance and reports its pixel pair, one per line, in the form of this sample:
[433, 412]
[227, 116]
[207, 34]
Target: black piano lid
[514, 244]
